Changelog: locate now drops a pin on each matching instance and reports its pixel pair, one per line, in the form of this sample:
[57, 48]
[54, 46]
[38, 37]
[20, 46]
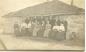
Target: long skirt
[28, 32]
[60, 36]
[46, 32]
[35, 30]
[22, 31]
[40, 33]
[52, 34]
[17, 31]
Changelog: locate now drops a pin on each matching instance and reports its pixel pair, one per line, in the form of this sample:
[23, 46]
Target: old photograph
[42, 25]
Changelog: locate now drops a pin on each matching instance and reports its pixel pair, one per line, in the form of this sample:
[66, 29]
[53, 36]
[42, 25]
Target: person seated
[62, 32]
[56, 27]
[61, 28]
[54, 31]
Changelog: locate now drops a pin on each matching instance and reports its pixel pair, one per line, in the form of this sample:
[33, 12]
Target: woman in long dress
[23, 27]
[42, 29]
[35, 28]
[55, 31]
[29, 29]
[62, 32]
[16, 29]
[47, 29]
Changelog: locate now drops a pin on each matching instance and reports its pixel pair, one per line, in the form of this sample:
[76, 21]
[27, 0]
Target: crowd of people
[53, 28]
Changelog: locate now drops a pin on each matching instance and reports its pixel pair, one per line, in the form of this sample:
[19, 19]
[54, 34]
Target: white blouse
[59, 28]
[56, 28]
[62, 28]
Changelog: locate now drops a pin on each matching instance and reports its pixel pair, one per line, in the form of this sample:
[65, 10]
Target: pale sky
[7, 6]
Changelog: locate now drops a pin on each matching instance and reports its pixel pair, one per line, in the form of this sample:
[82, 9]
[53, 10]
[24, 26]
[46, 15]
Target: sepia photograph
[42, 25]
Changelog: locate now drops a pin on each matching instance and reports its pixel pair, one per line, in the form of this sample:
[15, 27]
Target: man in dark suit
[27, 20]
[65, 26]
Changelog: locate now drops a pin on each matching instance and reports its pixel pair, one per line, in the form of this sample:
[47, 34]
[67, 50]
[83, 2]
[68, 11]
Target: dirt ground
[12, 42]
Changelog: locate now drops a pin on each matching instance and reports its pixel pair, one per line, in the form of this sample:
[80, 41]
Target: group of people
[42, 27]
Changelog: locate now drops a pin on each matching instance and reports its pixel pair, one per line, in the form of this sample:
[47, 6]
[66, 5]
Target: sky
[7, 6]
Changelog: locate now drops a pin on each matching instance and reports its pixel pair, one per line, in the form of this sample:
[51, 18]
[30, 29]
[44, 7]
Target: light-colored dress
[47, 30]
[23, 26]
[62, 33]
[56, 28]
[35, 29]
[29, 25]
[41, 30]
[61, 28]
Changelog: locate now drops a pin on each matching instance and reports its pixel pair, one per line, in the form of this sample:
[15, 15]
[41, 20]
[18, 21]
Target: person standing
[36, 28]
[27, 20]
[65, 23]
[55, 31]
[16, 29]
[62, 32]
[42, 29]
[47, 29]
[23, 28]
[52, 22]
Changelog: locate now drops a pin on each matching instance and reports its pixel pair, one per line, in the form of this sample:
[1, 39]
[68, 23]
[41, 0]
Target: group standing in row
[43, 27]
